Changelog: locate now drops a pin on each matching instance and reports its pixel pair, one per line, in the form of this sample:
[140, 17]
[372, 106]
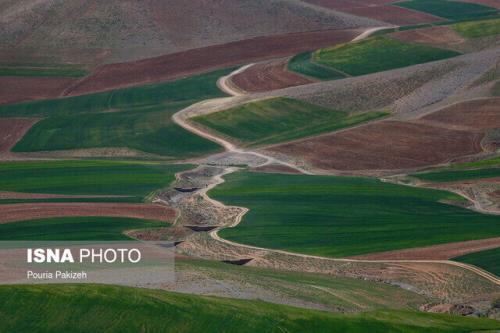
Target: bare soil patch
[276, 168]
[378, 10]
[479, 114]
[436, 252]
[267, 76]
[20, 89]
[200, 60]
[21, 212]
[12, 130]
[439, 35]
[387, 145]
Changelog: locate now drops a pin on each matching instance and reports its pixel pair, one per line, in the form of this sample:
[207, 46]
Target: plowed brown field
[22, 212]
[200, 60]
[436, 252]
[388, 145]
[479, 114]
[432, 36]
[267, 76]
[12, 130]
[20, 89]
[378, 10]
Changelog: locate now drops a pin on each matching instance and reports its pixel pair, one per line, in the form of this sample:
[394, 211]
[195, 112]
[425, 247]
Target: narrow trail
[204, 107]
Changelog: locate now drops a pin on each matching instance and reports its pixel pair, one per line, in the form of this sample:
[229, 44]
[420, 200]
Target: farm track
[181, 118]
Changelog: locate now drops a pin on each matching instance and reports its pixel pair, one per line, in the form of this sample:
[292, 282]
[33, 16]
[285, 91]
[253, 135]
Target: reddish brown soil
[387, 145]
[19, 195]
[276, 168]
[379, 10]
[479, 114]
[267, 76]
[433, 36]
[21, 212]
[436, 252]
[200, 60]
[12, 130]
[19, 89]
[490, 3]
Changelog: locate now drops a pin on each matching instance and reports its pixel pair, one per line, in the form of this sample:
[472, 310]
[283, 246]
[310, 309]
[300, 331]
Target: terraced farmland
[278, 120]
[342, 216]
[451, 10]
[87, 177]
[488, 260]
[134, 118]
[120, 309]
[74, 229]
[377, 54]
[302, 63]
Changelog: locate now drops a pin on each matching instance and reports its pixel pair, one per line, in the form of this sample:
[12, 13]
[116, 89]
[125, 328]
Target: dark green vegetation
[488, 168]
[278, 120]
[74, 229]
[477, 29]
[488, 260]
[87, 177]
[302, 63]
[377, 54]
[451, 10]
[343, 216]
[58, 70]
[332, 292]
[98, 308]
[136, 118]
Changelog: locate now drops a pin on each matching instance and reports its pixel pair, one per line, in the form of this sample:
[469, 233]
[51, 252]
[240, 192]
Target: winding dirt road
[181, 118]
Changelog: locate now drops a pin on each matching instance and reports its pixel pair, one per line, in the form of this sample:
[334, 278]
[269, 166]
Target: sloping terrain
[344, 216]
[21, 89]
[142, 29]
[200, 60]
[378, 9]
[119, 309]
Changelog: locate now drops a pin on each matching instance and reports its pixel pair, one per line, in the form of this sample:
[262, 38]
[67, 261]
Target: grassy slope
[342, 216]
[477, 29]
[302, 63]
[487, 168]
[330, 291]
[278, 120]
[137, 118]
[452, 10]
[42, 70]
[96, 308]
[378, 54]
[74, 229]
[87, 177]
[488, 260]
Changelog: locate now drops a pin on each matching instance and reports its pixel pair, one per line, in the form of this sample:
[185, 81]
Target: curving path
[181, 118]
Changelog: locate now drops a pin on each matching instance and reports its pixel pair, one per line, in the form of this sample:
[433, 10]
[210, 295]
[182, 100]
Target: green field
[487, 168]
[74, 229]
[302, 63]
[87, 177]
[43, 70]
[477, 29]
[451, 176]
[278, 120]
[98, 308]
[451, 10]
[333, 292]
[377, 54]
[137, 118]
[343, 216]
[488, 260]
